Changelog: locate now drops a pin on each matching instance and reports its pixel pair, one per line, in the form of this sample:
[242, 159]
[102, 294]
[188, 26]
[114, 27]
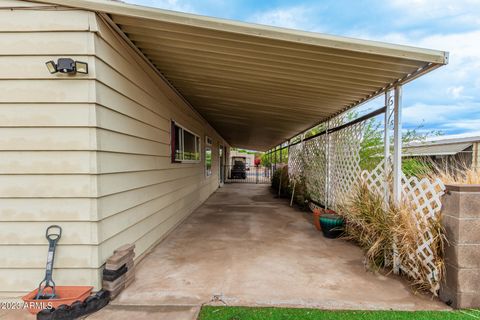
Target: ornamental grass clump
[369, 225]
[458, 173]
[417, 237]
[280, 181]
[379, 228]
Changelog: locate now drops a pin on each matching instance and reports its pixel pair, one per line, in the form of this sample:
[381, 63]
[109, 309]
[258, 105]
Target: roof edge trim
[303, 37]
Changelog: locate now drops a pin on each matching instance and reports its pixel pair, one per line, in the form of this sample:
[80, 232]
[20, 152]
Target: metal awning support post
[275, 166]
[397, 162]
[271, 163]
[289, 142]
[281, 151]
[327, 165]
[270, 159]
[387, 159]
[386, 146]
[280, 184]
[397, 146]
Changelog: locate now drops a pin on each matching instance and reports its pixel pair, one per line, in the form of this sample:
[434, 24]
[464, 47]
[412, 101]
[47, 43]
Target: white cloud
[461, 11]
[468, 134]
[460, 79]
[455, 92]
[295, 17]
[463, 71]
[419, 112]
[438, 113]
[464, 124]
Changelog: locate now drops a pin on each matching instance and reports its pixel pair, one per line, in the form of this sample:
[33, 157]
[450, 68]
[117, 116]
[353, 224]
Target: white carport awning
[260, 85]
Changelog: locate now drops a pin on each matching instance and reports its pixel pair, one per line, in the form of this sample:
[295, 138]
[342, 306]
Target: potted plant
[316, 218]
[331, 224]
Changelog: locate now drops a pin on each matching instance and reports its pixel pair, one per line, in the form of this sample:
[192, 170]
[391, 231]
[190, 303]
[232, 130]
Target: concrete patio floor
[244, 247]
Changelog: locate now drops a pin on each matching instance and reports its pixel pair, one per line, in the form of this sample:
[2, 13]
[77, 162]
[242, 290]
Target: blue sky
[447, 99]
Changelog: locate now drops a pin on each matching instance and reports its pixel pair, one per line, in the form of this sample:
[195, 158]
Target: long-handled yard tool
[52, 238]
[61, 302]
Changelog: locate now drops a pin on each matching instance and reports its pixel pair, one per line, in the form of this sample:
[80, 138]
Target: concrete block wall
[461, 218]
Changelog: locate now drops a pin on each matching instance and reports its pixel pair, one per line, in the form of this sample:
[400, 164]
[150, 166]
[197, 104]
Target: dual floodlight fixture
[67, 65]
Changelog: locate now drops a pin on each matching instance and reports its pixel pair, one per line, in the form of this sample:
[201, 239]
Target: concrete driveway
[244, 247]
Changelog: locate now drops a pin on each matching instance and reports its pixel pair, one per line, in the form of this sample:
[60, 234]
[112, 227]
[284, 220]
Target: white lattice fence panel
[376, 179]
[424, 196]
[344, 171]
[307, 160]
[339, 120]
[315, 168]
[295, 161]
[341, 162]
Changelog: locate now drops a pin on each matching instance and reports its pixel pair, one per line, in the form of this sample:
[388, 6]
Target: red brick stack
[119, 270]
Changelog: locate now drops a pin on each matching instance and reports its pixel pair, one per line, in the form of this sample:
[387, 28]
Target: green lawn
[244, 313]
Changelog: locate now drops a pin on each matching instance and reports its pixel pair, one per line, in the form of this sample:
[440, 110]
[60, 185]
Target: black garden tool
[52, 238]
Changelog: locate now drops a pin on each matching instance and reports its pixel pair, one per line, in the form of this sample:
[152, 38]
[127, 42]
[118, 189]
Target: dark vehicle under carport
[239, 170]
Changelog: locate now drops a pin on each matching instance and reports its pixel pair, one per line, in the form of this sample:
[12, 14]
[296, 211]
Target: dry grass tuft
[368, 224]
[454, 173]
[410, 230]
[376, 227]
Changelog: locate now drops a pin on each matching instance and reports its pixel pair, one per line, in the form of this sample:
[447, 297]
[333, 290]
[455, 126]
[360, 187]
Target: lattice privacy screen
[344, 163]
[330, 167]
[424, 195]
[328, 184]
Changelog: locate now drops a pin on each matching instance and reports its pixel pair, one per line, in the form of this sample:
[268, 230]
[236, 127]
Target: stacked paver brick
[119, 270]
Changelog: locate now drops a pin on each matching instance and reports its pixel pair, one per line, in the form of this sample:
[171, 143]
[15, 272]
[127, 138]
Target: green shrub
[281, 176]
[415, 167]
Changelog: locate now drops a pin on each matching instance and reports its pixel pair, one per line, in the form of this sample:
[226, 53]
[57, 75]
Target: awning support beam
[327, 163]
[397, 163]
[397, 146]
[386, 141]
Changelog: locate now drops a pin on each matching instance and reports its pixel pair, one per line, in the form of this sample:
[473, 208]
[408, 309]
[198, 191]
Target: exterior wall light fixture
[67, 65]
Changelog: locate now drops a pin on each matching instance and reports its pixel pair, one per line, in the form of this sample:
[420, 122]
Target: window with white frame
[185, 144]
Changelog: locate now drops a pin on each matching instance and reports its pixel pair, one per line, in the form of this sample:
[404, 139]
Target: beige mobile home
[124, 151]
[89, 152]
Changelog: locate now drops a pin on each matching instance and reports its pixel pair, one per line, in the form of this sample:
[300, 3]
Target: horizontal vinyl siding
[46, 91]
[47, 115]
[43, 138]
[115, 121]
[126, 143]
[162, 202]
[143, 195]
[48, 186]
[123, 162]
[48, 162]
[88, 152]
[114, 100]
[28, 67]
[33, 257]
[48, 146]
[119, 202]
[48, 209]
[46, 43]
[23, 20]
[81, 233]
[16, 281]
